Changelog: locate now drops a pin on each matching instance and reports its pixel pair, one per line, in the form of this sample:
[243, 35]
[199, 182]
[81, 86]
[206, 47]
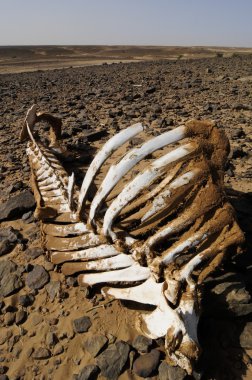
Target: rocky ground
[53, 329]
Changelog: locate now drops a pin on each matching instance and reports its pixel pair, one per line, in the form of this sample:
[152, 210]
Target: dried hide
[158, 224]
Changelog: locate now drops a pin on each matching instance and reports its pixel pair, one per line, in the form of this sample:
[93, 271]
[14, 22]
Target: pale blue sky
[127, 22]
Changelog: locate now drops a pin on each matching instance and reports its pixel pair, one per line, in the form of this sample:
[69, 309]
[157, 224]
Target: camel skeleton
[158, 224]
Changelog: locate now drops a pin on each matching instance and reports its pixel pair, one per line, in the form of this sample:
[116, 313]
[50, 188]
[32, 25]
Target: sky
[126, 22]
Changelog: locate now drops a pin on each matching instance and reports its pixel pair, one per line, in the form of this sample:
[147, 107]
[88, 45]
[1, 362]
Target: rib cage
[159, 221]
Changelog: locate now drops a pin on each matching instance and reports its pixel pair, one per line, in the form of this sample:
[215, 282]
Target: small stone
[246, 336]
[34, 252]
[71, 282]
[4, 377]
[142, 344]
[16, 351]
[90, 372]
[167, 372]
[58, 349]
[51, 339]
[3, 369]
[26, 300]
[27, 216]
[17, 205]
[53, 289]
[41, 353]
[113, 359]
[95, 344]
[8, 240]
[7, 267]
[53, 321]
[37, 278]
[9, 318]
[146, 365]
[82, 324]
[150, 90]
[21, 316]
[5, 336]
[10, 283]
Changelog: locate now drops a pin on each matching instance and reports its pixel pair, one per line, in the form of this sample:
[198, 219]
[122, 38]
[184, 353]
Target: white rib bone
[143, 180]
[151, 194]
[72, 243]
[93, 253]
[147, 293]
[191, 242]
[116, 262]
[113, 143]
[131, 274]
[160, 201]
[65, 229]
[116, 172]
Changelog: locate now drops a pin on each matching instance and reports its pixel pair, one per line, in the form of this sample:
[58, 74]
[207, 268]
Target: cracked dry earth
[50, 327]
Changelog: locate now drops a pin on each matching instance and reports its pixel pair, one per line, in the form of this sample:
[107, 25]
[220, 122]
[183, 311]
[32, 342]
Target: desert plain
[98, 91]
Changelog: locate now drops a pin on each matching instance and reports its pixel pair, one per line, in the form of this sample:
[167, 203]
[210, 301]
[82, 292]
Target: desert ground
[162, 88]
[15, 59]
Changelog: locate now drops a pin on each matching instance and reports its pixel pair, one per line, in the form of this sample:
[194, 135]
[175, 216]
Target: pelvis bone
[158, 224]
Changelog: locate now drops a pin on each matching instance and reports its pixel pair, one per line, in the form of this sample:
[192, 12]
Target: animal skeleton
[159, 222]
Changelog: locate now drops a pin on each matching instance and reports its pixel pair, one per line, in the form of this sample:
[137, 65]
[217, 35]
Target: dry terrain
[15, 59]
[38, 306]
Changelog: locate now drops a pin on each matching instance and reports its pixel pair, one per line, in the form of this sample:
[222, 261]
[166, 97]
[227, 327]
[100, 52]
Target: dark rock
[238, 153]
[4, 377]
[96, 135]
[8, 240]
[17, 205]
[150, 90]
[113, 359]
[90, 372]
[28, 217]
[41, 354]
[142, 344]
[3, 369]
[9, 318]
[82, 324]
[71, 282]
[26, 300]
[21, 316]
[37, 278]
[95, 344]
[16, 186]
[53, 289]
[246, 336]
[10, 283]
[51, 339]
[167, 372]
[146, 365]
[7, 267]
[34, 252]
[228, 298]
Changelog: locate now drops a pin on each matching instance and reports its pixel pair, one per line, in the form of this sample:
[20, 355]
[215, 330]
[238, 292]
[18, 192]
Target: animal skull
[159, 222]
